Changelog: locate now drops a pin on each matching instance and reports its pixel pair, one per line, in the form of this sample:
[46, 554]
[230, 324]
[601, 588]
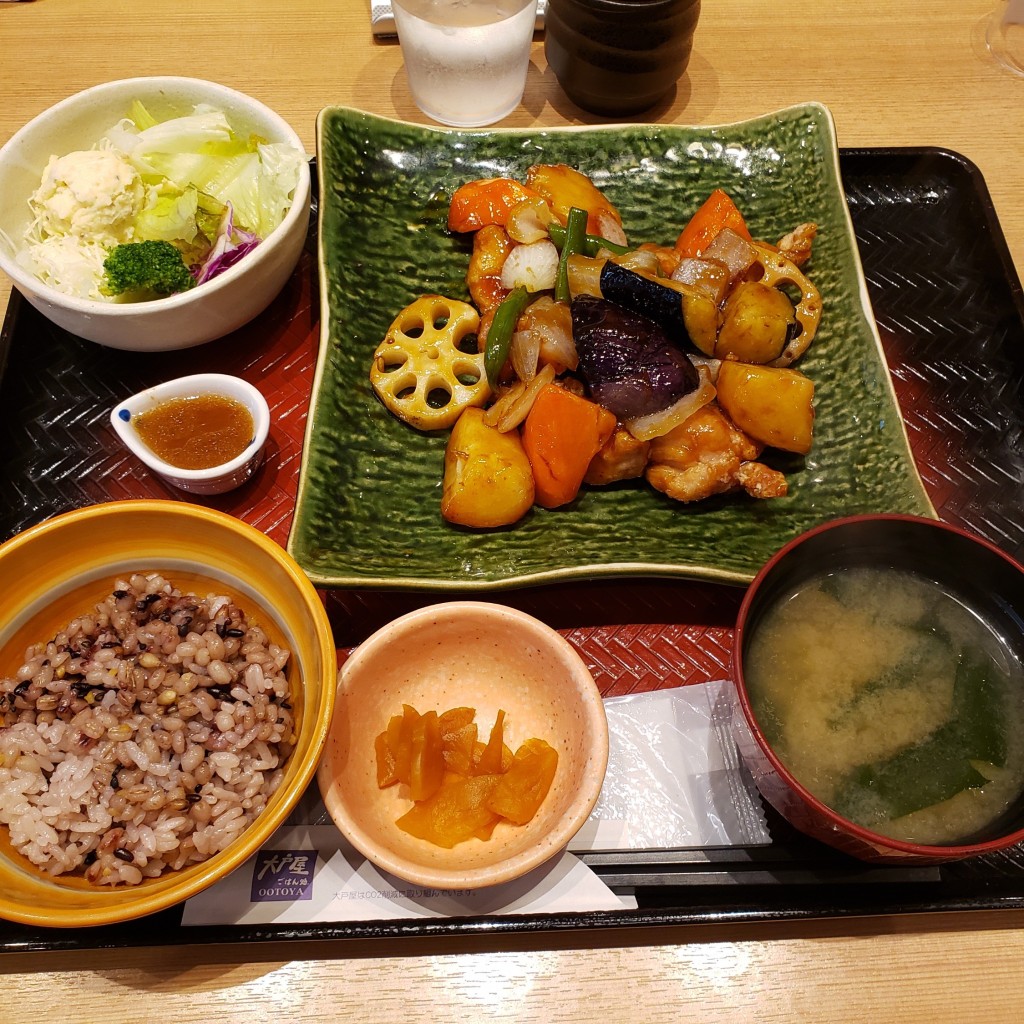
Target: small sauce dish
[184, 399]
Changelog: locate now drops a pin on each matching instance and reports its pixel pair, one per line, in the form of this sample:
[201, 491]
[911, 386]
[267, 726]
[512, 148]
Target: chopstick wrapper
[382, 18]
[674, 780]
[308, 874]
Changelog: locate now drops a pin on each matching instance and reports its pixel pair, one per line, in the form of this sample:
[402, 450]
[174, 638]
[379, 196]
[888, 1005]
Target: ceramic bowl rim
[835, 821]
[583, 803]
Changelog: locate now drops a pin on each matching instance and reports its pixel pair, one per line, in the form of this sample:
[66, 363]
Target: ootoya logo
[281, 875]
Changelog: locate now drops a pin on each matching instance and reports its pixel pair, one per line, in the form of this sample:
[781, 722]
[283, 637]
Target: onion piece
[643, 261]
[709, 362]
[528, 220]
[515, 404]
[533, 267]
[552, 323]
[585, 275]
[657, 424]
[524, 353]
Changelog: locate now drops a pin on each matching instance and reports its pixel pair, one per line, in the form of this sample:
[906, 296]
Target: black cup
[615, 57]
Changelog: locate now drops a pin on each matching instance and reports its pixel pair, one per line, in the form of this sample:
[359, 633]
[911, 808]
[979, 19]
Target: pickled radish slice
[454, 813]
[461, 788]
[521, 790]
[490, 758]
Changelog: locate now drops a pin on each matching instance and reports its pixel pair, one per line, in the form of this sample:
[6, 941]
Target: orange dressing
[197, 432]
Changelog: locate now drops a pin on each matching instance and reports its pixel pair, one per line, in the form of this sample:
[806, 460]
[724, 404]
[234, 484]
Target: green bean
[499, 337]
[591, 245]
[575, 233]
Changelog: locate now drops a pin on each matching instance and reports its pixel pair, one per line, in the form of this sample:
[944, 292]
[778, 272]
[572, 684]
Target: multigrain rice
[147, 735]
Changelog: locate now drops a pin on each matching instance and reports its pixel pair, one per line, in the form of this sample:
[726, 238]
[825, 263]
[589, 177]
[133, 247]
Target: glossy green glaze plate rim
[368, 506]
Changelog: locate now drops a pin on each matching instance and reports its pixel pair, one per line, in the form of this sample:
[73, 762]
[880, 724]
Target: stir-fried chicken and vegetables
[584, 360]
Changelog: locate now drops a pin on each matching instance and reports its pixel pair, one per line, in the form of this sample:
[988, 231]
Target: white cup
[466, 60]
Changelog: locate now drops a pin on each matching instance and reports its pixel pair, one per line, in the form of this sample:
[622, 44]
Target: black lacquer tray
[950, 311]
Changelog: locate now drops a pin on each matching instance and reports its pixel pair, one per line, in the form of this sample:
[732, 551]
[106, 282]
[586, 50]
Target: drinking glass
[1004, 35]
[466, 60]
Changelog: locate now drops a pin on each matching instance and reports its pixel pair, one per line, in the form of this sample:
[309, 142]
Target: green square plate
[368, 506]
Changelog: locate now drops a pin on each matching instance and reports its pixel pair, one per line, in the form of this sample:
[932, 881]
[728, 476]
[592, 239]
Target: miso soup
[892, 702]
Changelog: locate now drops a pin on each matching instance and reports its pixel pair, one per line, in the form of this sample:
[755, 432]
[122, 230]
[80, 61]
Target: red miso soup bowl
[973, 713]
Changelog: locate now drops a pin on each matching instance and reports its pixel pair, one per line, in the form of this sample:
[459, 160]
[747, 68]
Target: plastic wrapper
[674, 781]
[675, 778]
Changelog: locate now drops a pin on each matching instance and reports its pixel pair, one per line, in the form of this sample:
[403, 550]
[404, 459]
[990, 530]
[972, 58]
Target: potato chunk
[701, 316]
[756, 321]
[772, 404]
[488, 480]
[564, 187]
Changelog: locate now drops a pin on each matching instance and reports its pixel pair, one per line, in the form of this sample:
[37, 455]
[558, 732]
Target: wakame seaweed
[978, 708]
[904, 672]
[940, 766]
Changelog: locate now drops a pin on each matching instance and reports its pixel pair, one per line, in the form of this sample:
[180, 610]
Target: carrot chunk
[561, 434]
[717, 212]
[485, 201]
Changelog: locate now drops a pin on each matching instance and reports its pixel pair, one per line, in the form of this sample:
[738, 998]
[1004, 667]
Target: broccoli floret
[143, 270]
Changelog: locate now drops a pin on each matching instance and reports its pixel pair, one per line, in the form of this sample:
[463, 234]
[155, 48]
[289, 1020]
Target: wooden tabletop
[893, 75]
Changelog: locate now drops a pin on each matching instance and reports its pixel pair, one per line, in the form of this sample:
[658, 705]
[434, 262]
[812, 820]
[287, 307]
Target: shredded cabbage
[66, 262]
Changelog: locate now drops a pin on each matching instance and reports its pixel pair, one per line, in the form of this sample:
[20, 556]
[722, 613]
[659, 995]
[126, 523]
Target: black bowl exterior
[978, 572]
[616, 57]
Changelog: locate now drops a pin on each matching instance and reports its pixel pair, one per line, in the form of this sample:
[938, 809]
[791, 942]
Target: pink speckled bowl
[484, 656]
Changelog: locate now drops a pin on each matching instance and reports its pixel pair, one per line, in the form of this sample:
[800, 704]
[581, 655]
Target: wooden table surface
[892, 74]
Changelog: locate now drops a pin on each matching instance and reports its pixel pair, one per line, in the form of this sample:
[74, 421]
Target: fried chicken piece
[623, 457]
[706, 455]
[796, 246]
[491, 245]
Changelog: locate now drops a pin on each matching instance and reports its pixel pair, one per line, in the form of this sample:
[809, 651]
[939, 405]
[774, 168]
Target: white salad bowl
[208, 311]
[216, 479]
